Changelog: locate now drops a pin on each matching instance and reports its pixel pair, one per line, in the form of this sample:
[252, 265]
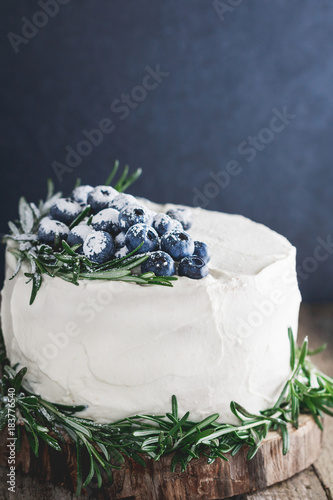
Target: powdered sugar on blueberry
[99, 247]
[115, 224]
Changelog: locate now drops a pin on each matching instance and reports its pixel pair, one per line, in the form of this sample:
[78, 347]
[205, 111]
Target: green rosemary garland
[105, 445]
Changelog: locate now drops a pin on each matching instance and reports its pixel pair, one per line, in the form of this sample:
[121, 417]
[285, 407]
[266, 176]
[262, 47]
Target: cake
[123, 349]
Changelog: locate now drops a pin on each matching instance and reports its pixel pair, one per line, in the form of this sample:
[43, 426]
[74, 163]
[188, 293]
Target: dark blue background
[227, 72]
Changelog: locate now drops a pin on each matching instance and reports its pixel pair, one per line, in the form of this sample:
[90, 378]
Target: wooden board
[156, 482]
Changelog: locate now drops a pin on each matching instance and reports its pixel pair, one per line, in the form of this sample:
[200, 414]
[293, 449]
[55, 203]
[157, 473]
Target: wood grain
[156, 482]
[305, 486]
[323, 467]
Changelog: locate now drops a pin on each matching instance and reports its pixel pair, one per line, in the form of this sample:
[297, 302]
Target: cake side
[123, 349]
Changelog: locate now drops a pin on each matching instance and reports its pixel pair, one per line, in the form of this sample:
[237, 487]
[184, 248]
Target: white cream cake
[123, 349]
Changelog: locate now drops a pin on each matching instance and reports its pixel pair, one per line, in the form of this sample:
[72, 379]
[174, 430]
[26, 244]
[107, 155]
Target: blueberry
[121, 252]
[65, 210]
[52, 232]
[160, 263]
[142, 233]
[80, 194]
[120, 240]
[178, 244]
[77, 236]
[193, 267]
[133, 214]
[99, 247]
[183, 215]
[107, 220]
[162, 223]
[122, 200]
[202, 250]
[101, 197]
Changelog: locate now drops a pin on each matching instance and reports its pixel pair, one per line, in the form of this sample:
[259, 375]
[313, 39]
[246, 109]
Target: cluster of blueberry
[119, 224]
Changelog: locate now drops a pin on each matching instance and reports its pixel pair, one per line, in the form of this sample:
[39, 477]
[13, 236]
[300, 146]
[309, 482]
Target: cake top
[102, 233]
[240, 245]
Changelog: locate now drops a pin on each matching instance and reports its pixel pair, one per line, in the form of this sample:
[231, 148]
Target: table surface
[314, 483]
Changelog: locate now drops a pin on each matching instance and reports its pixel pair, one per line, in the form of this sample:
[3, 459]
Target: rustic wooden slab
[156, 482]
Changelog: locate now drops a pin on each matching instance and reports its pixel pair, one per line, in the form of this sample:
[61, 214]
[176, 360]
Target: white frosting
[124, 349]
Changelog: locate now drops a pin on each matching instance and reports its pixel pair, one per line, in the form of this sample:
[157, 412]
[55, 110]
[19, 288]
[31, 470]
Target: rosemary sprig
[105, 445]
[125, 180]
[62, 261]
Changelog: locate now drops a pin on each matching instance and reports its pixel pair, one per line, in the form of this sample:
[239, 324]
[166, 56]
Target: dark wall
[228, 69]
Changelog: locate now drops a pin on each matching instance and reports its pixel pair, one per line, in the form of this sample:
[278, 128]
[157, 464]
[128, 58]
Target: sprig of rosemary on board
[105, 445]
[64, 262]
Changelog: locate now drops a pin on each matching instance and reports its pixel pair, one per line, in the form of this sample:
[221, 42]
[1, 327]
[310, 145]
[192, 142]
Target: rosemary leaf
[318, 350]
[15, 231]
[112, 173]
[50, 189]
[80, 217]
[26, 216]
[131, 179]
[18, 267]
[120, 183]
[113, 274]
[292, 348]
